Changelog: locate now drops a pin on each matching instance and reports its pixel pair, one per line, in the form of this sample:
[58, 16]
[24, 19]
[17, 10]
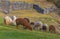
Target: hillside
[33, 15]
[10, 32]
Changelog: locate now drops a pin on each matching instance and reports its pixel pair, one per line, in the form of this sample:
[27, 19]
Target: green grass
[27, 35]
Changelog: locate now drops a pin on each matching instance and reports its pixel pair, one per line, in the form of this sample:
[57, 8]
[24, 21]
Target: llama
[7, 20]
[38, 25]
[45, 27]
[52, 28]
[25, 23]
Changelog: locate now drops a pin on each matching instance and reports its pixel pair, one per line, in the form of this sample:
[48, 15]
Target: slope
[10, 32]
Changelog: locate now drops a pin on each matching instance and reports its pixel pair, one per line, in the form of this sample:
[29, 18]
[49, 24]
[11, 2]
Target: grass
[27, 35]
[13, 33]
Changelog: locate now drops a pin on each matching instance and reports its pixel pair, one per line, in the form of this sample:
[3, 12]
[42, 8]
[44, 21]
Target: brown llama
[24, 22]
[52, 28]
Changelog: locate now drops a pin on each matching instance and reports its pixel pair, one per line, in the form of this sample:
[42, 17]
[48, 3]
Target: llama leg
[16, 26]
[4, 21]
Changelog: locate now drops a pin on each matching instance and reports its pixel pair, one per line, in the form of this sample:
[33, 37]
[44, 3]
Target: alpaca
[38, 25]
[7, 20]
[22, 21]
[45, 27]
[32, 23]
[52, 28]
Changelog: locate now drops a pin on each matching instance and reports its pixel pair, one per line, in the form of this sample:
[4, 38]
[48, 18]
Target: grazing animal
[38, 25]
[24, 22]
[32, 23]
[52, 28]
[13, 20]
[7, 20]
[44, 27]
